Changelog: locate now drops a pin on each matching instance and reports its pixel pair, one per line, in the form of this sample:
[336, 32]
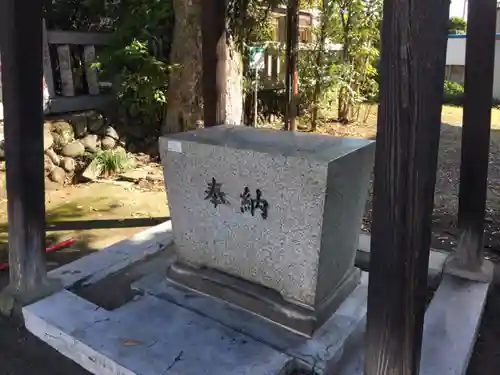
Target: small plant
[109, 162]
[453, 93]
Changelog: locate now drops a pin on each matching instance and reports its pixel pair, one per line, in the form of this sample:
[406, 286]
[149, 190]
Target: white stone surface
[451, 324]
[168, 331]
[97, 266]
[319, 352]
[450, 329]
[437, 259]
[148, 336]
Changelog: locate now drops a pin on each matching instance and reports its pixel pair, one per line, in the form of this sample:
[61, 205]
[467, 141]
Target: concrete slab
[319, 352]
[158, 335]
[99, 265]
[148, 337]
[140, 338]
[437, 260]
[450, 328]
[451, 323]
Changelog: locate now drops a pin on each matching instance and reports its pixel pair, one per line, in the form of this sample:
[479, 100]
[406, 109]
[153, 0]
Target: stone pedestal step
[148, 337]
[173, 331]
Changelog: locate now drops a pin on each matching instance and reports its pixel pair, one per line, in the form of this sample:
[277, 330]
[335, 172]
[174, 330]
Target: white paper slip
[174, 146]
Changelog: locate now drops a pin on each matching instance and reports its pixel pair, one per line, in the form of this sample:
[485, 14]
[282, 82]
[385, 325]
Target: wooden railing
[273, 74]
[72, 83]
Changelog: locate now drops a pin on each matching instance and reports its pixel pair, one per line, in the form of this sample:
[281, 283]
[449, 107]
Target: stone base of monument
[260, 300]
[259, 274]
[171, 330]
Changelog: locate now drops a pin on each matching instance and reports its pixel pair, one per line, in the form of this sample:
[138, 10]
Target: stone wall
[72, 141]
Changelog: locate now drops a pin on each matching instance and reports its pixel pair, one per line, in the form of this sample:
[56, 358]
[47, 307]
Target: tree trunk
[344, 100]
[185, 98]
[234, 86]
[184, 107]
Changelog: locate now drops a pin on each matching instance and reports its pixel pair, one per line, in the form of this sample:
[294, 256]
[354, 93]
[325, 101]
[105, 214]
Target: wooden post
[414, 37]
[291, 78]
[21, 37]
[214, 52]
[47, 64]
[479, 67]
[90, 73]
[66, 70]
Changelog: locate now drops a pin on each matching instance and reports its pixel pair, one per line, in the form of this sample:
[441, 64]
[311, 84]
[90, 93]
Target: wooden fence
[273, 74]
[72, 83]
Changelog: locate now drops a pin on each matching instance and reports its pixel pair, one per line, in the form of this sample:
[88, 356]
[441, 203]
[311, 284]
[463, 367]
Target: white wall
[455, 55]
[455, 52]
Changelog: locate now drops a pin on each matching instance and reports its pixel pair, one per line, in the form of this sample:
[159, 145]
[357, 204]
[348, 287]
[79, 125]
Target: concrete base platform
[260, 300]
[171, 330]
[450, 330]
[149, 337]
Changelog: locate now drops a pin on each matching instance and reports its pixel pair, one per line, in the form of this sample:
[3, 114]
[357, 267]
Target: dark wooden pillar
[21, 47]
[214, 52]
[414, 36]
[479, 67]
[292, 32]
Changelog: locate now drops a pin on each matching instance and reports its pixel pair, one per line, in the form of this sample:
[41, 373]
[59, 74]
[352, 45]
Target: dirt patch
[96, 215]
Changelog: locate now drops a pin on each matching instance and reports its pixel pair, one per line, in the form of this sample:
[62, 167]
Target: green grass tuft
[111, 162]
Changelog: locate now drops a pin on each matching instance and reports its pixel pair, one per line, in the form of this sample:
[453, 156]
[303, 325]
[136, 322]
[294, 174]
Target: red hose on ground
[55, 247]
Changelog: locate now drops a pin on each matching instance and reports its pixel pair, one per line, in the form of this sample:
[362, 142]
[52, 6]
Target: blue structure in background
[464, 36]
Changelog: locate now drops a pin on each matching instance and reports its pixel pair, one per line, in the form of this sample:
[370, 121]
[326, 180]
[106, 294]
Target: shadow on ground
[68, 221]
[23, 354]
[20, 352]
[444, 218]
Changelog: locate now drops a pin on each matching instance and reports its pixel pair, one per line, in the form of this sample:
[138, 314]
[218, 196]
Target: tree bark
[184, 109]
[234, 86]
[343, 105]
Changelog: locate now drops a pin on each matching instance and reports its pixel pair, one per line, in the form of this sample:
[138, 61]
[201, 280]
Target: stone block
[277, 210]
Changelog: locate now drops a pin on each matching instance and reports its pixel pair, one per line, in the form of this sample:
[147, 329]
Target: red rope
[55, 247]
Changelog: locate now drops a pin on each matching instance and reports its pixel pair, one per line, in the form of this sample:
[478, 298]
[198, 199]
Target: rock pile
[68, 143]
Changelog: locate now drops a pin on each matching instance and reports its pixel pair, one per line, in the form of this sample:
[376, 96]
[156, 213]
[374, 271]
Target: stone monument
[267, 220]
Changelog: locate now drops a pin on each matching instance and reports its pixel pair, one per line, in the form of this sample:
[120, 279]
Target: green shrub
[136, 59]
[453, 93]
[109, 162]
